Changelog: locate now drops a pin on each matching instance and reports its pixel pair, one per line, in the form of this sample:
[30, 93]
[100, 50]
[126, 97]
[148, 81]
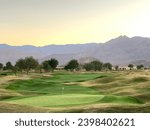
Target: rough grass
[6, 94]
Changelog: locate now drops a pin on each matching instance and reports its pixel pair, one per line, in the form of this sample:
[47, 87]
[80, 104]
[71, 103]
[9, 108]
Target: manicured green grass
[55, 84]
[58, 100]
[72, 99]
[120, 99]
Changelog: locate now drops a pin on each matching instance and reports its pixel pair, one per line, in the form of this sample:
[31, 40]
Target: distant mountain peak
[118, 39]
[122, 37]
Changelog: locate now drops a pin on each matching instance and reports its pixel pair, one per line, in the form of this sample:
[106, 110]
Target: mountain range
[118, 51]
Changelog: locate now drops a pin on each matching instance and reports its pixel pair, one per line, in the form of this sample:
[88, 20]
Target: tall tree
[9, 66]
[20, 64]
[94, 65]
[30, 63]
[88, 66]
[97, 65]
[53, 63]
[72, 65]
[46, 66]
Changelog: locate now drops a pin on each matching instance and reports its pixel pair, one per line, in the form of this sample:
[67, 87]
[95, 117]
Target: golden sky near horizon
[43, 22]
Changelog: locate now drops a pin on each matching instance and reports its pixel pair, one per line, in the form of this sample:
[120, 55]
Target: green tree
[97, 65]
[30, 63]
[107, 66]
[53, 63]
[46, 66]
[88, 66]
[1, 66]
[72, 65]
[94, 65]
[9, 66]
[20, 64]
[140, 67]
[130, 66]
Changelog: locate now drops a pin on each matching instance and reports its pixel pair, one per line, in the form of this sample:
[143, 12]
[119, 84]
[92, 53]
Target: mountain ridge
[119, 51]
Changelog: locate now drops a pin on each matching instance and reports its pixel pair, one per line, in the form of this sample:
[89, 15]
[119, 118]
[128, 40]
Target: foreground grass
[78, 92]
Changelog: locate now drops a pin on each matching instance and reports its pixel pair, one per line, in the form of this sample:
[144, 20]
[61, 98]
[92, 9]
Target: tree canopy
[72, 65]
[46, 66]
[20, 64]
[26, 64]
[53, 63]
[9, 66]
[107, 66]
[30, 63]
[50, 64]
[140, 67]
[94, 65]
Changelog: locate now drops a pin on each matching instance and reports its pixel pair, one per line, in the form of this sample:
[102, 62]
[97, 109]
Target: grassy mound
[54, 85]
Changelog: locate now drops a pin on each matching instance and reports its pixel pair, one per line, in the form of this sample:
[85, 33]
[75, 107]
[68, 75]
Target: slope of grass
[54, 85]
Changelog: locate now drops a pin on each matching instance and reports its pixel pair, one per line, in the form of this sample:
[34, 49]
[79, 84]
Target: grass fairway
[76, 92]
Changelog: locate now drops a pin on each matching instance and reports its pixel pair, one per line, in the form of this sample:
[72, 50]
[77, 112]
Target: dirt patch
[138, 74]
[88, 84]
[46, 75]
[71, 83]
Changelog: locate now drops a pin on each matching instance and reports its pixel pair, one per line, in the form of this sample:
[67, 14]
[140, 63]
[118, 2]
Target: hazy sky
[42, 22]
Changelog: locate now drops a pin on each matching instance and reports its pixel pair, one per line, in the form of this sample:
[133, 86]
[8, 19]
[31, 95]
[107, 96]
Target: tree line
[29, 63]
[92, 66]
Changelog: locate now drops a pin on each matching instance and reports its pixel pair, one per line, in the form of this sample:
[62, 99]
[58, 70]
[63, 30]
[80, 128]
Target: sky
[44, 22]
